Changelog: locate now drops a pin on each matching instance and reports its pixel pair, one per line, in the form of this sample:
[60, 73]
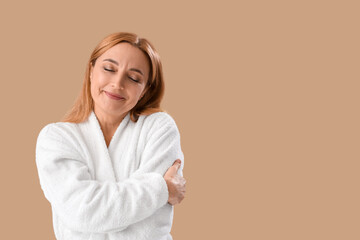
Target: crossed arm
[87, 205]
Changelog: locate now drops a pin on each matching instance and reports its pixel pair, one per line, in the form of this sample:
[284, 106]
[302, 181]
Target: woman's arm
[175, 184]
[161, 150]
[87, 205]
[162, 146]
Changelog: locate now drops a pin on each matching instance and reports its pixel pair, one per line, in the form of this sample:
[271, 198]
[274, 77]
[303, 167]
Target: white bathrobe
[109, 193]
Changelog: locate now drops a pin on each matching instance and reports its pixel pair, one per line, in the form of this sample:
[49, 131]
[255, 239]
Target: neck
[108, 123]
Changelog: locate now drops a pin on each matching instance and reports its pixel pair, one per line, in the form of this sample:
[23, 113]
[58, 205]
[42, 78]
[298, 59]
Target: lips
[114, 96]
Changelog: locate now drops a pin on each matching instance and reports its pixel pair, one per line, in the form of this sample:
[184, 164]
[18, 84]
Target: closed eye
[133, 79]
[109, 70]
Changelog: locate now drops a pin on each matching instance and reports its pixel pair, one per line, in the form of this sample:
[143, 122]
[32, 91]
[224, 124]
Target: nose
[119, 80]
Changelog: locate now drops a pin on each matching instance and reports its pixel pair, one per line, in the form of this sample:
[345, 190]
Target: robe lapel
[99, 153]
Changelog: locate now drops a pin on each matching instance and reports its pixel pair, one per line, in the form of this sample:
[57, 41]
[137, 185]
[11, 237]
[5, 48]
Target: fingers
[177, 163]
[176, 183]
[174, 168]
[183, 181]
[178, 190]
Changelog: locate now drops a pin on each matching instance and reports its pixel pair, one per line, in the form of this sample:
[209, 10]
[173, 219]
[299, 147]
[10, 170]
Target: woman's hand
[175, 183]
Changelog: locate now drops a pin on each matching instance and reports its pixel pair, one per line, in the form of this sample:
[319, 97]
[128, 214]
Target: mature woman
[113, 168]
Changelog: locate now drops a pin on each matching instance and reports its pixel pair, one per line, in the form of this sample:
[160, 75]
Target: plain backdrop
[265, 95]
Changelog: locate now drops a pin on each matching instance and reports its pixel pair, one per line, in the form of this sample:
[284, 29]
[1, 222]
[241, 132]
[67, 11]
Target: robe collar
[101, 154]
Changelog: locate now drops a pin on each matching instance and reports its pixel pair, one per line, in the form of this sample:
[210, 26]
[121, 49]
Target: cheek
[93, 87]
[138, 93]
[97, 83]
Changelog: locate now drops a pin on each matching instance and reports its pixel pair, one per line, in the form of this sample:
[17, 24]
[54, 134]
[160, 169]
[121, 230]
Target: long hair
[154, 89]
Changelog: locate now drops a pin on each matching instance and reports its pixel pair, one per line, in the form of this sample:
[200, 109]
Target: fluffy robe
[109, 193]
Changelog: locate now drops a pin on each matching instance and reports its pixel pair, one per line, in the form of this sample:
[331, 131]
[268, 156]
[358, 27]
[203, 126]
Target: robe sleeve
[91, 206]
[162, 146]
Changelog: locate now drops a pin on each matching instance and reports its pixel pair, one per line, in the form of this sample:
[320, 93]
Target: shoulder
[158, 119]
[58, 131]
[59, 139]
[159, 122]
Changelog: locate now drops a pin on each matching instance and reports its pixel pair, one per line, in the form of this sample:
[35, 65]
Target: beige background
[265, 94]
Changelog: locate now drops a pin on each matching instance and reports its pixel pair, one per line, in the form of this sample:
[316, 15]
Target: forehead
[125, 53]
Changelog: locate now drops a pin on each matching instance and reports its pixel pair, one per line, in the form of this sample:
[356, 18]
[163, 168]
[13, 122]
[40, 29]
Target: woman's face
[118, 79]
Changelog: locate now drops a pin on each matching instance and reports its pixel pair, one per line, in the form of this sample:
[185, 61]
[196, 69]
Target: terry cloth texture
[109, 193]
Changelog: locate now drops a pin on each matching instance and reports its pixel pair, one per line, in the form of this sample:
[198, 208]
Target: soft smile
[114, 96]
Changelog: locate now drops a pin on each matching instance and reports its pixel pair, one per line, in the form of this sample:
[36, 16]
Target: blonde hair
[154, 89]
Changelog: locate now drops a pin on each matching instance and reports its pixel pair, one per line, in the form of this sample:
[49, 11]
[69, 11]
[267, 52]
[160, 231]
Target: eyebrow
[136, 70]
[117, 64]
[111, 60]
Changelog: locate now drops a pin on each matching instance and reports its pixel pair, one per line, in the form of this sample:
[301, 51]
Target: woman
[110, 169]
